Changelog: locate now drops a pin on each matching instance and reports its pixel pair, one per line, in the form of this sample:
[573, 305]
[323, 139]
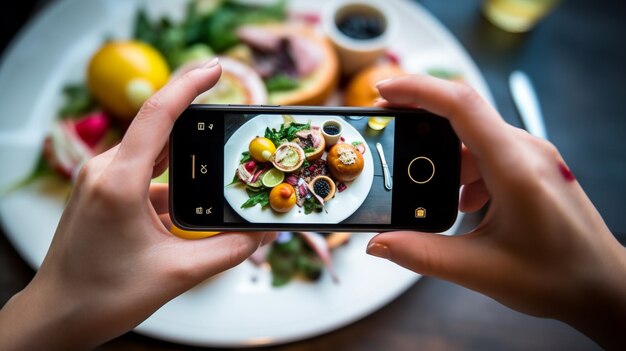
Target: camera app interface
[282, 168]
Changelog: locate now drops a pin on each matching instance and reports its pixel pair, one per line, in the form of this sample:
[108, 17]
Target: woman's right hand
[542, 248]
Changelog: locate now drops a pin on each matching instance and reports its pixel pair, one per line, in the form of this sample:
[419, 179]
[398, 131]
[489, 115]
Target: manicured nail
[214, 61]
[382, 82]
[378, 250]
[566, 172]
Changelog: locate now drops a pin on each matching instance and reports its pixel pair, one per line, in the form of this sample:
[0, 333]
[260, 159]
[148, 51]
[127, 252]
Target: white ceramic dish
[230, 309]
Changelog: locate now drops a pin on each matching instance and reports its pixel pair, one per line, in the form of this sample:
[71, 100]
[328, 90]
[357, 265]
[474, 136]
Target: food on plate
[314, 169]
[447, 74]
[331, 129]
[196, 52]
[360, 146]
[248, 171]
[323, 187]
[282, 198]
[309, 177]
[361, 90]
[345, 162]
[288, 157]
[337, 239]
[261, 149]
[300, 255]
[361, 25]
[272, 178]
[72, 142]
[312, 142]
[298, 65]
[121, 75]
[212, 23]
[239, 84]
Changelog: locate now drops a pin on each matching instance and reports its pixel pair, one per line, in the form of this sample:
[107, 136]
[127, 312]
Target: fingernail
[378, 250]
[566, 172]
[382, 82]
[214, 61]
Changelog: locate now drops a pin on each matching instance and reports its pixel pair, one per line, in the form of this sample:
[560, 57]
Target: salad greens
[259, 197]
[281, 82]
[444, 73]
[209, 25]
[258, 193]
[245, 157]
[78, 100]
[312, 205]
[292, 257]
[285, 133]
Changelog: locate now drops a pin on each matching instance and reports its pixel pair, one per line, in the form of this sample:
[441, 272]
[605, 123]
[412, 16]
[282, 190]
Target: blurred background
[577, 63]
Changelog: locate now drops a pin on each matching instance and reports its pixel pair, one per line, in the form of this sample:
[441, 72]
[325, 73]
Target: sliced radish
[64, 150]
[361, 148]
[92, 128]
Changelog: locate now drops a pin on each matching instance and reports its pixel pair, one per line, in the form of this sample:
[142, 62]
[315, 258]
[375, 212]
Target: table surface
[578, 67]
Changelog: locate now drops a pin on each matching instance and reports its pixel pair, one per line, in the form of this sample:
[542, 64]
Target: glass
[517, 15]
[378, 123]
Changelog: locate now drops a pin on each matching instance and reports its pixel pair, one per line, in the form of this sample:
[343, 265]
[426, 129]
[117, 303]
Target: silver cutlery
[527, 104]
[386, 175]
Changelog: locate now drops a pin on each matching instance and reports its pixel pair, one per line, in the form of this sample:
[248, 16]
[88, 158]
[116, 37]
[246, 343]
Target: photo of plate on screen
[296, 169]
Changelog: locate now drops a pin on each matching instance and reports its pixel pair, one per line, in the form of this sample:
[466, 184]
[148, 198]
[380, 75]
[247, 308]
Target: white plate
[339, 208]
[229, 310]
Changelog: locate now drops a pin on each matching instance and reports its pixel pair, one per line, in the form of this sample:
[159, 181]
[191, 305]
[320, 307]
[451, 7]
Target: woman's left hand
[112, 262]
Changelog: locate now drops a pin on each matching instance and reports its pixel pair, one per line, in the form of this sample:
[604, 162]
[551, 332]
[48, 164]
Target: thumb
[461, 259]
[215, 254]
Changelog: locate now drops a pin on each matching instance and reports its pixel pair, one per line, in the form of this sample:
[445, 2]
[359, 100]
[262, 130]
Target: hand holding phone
[314, 168]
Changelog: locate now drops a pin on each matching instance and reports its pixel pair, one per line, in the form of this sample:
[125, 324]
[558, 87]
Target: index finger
[148, 133]
[477, 124]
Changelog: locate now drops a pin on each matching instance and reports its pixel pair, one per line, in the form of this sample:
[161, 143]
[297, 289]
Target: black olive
[331, 130]
[321, 188]
[361, 26]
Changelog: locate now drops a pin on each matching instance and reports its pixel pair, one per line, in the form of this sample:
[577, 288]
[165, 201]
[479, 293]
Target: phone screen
[350, 185]
[313, 168]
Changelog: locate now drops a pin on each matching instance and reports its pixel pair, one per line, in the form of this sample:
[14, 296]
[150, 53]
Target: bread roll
[345, 162]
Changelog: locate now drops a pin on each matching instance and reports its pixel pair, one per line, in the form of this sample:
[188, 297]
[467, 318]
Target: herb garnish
[261, 197]
[285, 134]
[312, 205]
[293, 257]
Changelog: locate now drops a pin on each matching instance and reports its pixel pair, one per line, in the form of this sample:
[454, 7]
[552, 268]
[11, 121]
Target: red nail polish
[566, 173]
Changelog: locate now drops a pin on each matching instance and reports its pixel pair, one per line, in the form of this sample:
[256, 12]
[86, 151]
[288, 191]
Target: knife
[386, 175]
[527, 104]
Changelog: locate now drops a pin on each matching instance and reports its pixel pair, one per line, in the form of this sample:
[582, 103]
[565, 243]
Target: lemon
[272, 178]
[261, 149]
[123, 74]
[190, 235]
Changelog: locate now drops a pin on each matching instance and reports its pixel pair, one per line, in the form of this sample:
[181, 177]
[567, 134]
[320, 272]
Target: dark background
[577, 60]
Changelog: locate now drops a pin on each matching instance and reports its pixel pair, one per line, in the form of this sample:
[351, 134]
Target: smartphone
[312, 168]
